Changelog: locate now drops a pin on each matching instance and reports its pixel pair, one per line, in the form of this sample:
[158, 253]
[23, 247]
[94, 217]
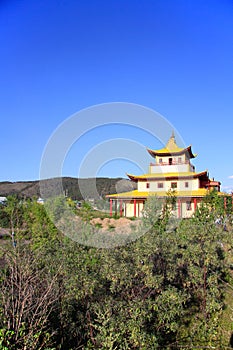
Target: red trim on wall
[116, 207]
[110, 211]
[134, 207]
[121, 207]
[195, 203]
[179, 208]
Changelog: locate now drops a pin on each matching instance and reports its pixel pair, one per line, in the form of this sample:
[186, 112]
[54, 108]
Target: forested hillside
[169, 289]
[71, 187]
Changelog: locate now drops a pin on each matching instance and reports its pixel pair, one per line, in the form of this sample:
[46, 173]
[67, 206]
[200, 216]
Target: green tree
[202, 260]
[28, 298]
[13, 208]
[165, 290]
[38, 229]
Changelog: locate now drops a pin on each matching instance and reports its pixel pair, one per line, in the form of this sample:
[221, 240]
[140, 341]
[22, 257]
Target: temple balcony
[173, 162]
[171, 167]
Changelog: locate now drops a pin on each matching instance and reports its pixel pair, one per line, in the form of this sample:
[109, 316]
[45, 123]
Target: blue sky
[59, 57]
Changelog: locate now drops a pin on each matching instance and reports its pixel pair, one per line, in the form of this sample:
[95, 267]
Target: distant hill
[73, 187]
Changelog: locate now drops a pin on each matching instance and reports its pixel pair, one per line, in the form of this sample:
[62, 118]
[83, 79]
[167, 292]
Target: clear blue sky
[58, 57]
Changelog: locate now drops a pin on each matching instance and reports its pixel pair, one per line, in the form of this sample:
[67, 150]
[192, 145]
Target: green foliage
[4, 217]
[5, 335]
[152, 213]
[219, 205]
[157, 213]
[14, 212]
[203, 258]
[28, 297]
[167, 290]
[86, 211]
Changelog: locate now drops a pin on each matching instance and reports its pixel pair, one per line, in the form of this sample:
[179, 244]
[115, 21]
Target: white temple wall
[175, 159]
[192, 184]
[176, 168]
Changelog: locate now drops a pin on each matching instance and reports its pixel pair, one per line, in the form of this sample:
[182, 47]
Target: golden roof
[164, 176]
[171, 148]
[135, 194]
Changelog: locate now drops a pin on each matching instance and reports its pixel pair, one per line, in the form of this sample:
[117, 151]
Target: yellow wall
[130, 209]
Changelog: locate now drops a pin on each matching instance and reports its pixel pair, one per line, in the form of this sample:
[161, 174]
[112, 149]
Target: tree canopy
[169, 289]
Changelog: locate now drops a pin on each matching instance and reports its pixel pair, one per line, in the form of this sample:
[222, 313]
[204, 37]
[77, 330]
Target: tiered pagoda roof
[172, 149]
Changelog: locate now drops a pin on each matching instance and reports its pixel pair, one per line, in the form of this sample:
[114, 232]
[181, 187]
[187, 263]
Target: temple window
[170, 161]
[160, 185]
[179, 160]
[160, 160]
[147, 185]
[188, 205]
[186, 184]
[174, 185]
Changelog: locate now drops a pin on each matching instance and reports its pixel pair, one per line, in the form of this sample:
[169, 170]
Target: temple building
[171, 170]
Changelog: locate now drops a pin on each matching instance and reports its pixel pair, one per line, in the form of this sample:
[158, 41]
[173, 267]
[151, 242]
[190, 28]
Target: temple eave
[167, 176]
[200, 193]
[169, 152]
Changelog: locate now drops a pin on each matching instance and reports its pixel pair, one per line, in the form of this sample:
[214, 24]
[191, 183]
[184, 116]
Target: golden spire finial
[171, 144]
